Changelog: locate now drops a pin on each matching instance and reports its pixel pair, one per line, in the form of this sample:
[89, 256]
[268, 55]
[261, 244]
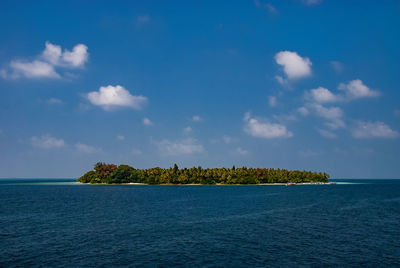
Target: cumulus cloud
[356, 89]
[334, 115]
[282, 81]
[44, 65]
[34, 69]
[373, 130]
[147, 122]
[303, 111]
[294, 66]
[120, 137]
[265, 130]
[187, 130]
[116, 96]
[75, 58]
[322, 95]
[183, 147]
[87, 149]
[196, 118]
[52, 53]
[47, 142]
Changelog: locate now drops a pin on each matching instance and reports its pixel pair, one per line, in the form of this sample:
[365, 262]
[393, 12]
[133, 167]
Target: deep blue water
[57, 223]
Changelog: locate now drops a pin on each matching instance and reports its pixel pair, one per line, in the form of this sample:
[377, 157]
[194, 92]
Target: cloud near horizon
[47, 142]
[183, 147]
[365, 130]
[84, 148]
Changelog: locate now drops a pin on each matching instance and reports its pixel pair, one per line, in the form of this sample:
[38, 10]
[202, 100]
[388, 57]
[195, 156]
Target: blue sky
[286, 84]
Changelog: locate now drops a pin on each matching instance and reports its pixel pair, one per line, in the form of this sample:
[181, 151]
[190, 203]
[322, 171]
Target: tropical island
[124, 174]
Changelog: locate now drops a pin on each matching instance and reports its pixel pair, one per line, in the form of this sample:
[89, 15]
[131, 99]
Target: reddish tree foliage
[105, 170]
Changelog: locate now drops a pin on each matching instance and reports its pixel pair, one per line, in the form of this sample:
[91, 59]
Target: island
[124, 174]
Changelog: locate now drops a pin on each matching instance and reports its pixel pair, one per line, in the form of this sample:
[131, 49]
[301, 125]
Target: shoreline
[217, 184]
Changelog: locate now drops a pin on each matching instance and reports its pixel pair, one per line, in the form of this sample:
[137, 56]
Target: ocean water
[58, 223]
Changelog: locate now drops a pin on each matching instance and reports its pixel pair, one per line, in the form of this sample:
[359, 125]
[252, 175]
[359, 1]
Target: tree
[176, 168]
[110, 173]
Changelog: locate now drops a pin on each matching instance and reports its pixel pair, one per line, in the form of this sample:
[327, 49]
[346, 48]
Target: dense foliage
[110, 173]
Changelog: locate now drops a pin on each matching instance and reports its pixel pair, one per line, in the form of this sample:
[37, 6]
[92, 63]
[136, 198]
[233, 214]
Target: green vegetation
[112, 174]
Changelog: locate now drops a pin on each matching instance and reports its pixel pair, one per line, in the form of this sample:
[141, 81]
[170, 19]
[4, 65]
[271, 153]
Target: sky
[301, 84]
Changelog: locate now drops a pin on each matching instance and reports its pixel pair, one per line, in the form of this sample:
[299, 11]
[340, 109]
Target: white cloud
[322, 95]
[87, 149]
[183, 147]
[337, 66]
[282, 81]
[47, 142]
[373, 130]
[396, 112]
[246, 116]
[327, 134]
[54, 101]
[44, 66]
[34, 69]
[333, 114]
[187, 130]
[120, 137]
[265, 130]
[328, 113]
[77, 57]
[311, 2]
[196, 118]
[294, 66]
[241, 151]
[52, 53]
[303, 111]
[272, 101]
[147, 122]
[113, 96]
[356, 89]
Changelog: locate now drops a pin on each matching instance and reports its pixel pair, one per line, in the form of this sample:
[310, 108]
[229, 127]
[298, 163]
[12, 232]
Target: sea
[60, 223]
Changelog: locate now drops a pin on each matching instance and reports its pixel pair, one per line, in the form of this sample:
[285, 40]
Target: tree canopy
[113, 174]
